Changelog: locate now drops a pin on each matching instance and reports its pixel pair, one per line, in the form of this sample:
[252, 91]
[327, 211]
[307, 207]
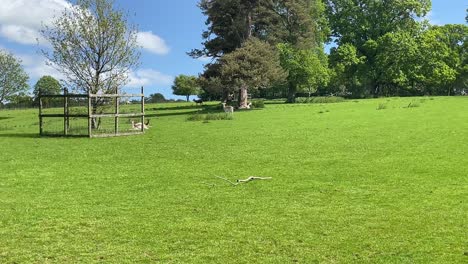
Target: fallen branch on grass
[251, 178]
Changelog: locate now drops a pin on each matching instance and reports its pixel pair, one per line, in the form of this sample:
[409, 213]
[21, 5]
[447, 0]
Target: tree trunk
[188, 97]
[243, 98]
[291, 93]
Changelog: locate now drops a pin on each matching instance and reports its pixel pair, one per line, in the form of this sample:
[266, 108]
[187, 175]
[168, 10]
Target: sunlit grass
[350, 184]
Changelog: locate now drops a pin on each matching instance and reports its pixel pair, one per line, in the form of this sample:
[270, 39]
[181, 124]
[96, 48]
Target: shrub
[320, 100]
[208, 117]
[258, 104]
[219, 116]
[196, 117]
[381, 106]
[413, 105]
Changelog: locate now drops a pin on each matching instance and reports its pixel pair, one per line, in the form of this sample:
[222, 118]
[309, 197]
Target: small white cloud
[153, 43]
[205, 59]
[149, 77]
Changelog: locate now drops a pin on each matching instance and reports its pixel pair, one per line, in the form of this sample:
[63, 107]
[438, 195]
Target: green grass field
[350, 184]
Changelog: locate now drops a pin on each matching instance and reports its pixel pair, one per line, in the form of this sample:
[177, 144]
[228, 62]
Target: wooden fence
[91, 114]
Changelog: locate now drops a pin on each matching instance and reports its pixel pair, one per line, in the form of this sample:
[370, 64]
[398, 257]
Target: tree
[231, 23]
[156, 98]
[361, 23]
[46, 85]
[186, 85]
[13, 78]
[93, 46]
[253, 66]
[307, 69]
[20, 100]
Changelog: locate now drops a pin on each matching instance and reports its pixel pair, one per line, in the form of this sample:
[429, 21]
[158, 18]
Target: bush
[320, 100]
[219, 116]
[258, 104]
[381, 106]
[209, 117]
[196, 117]
[413, 105]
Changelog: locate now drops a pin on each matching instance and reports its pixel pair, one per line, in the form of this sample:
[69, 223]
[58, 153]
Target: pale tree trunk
[243, 98]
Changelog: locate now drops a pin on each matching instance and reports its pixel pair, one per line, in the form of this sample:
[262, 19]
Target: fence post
[117, 111]
[142, 110]
[89, 115]
[41, 126]
[65, 111]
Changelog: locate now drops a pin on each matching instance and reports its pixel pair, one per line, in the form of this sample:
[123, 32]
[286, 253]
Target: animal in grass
[138, 126]
[228, 109]
[198, 101]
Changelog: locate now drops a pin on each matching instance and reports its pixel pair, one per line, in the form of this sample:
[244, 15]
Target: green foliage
[210, 117]
[230, 24]
[155, 98]
[186, 85]
[374, 66]
[307, 69]
[413, 105]
[258, 104]
[93, 45]
[253, 66]
[382, 106]
[13, 78]
[46, 85]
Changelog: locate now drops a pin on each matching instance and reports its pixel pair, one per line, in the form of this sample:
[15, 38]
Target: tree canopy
[186, 85]
[47, 85]
[93, 45]
[13, 78]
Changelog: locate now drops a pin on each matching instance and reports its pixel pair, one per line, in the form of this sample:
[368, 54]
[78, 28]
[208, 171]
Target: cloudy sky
[167, 30]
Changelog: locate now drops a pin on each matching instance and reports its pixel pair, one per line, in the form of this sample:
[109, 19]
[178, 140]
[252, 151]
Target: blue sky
[168, 29]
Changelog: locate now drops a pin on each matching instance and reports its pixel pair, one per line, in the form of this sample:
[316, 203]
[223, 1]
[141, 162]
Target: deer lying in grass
[228, 109]
[198, 101]
[137, 126]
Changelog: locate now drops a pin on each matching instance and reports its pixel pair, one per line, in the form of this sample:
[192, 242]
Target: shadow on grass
[5, 117]
[19, 135]
[184, 107]
[170, 114]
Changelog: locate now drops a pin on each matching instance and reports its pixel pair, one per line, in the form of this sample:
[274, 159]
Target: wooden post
[41, 124]
[117, 111]
[89, 115]
[65, 111]
[142, 110]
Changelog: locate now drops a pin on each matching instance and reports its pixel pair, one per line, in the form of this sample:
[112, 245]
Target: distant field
[350, 184]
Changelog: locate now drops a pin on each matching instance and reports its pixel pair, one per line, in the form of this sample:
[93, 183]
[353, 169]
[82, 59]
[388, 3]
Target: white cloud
[152, 43]
[21, 20]
[205, 59]
[36, 67]
[149, 77]
[21, 34]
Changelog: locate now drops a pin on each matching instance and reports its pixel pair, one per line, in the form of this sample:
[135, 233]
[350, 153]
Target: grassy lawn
[350, 184]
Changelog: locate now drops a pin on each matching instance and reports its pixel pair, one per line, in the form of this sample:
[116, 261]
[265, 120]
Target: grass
[353, 185]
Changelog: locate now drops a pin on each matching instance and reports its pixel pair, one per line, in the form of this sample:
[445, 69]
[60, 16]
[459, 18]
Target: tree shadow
[20, 135]
[172, 114]
[5, 117]
[184, 107]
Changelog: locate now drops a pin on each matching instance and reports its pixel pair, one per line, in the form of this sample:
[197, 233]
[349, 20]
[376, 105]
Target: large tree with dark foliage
[231, 23]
